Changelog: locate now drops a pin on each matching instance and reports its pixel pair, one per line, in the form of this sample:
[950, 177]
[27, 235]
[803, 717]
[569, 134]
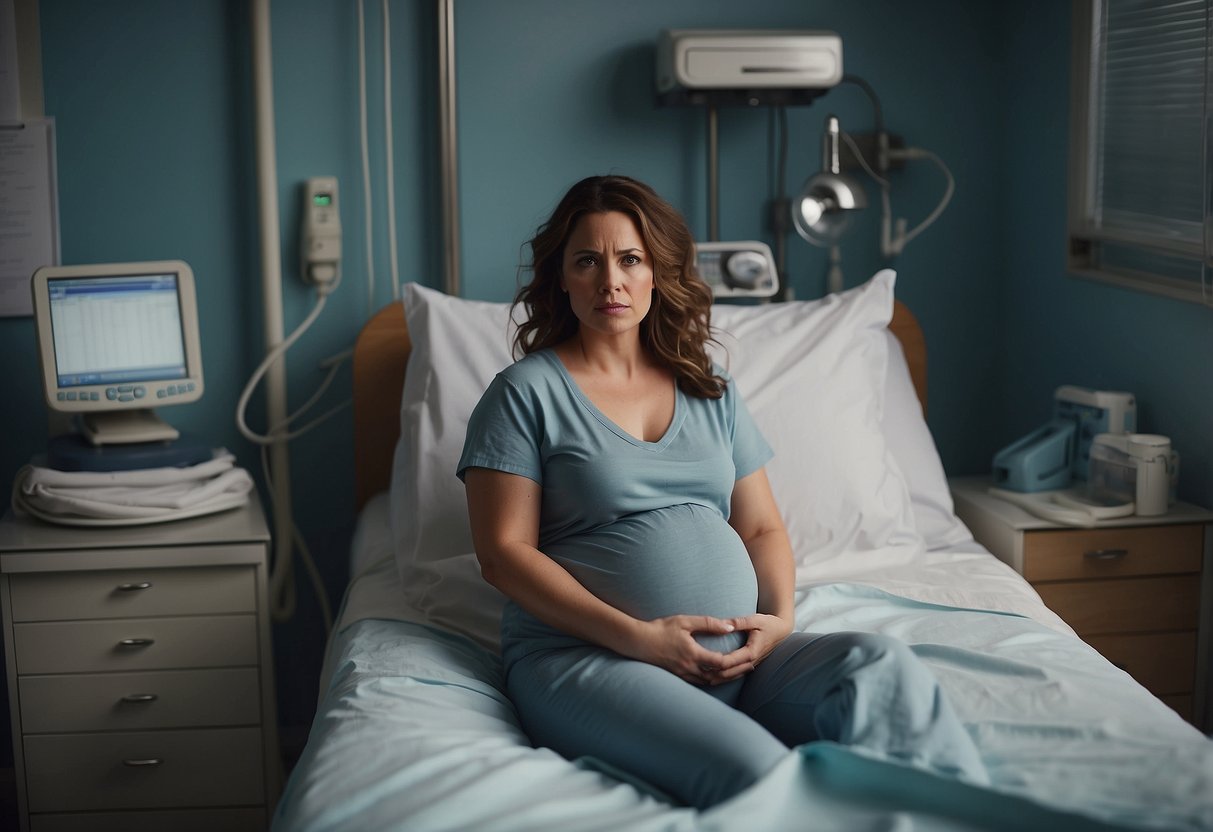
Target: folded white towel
[150, 495]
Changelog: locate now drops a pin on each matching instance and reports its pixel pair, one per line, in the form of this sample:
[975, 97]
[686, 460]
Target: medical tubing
[271, 358]
[389, 153]
[893, 245]
[368, 233]
[332, 364]
[919, 153]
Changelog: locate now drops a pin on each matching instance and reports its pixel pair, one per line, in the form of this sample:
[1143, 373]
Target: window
[1140, 146]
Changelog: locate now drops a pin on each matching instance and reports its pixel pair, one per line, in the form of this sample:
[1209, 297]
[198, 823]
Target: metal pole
[271, 296]
[713, 175]
[448, 145]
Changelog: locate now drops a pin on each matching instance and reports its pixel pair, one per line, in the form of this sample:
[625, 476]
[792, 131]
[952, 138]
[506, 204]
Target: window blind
[1140, 169]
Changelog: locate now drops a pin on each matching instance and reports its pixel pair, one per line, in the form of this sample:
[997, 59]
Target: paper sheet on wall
[29, 214]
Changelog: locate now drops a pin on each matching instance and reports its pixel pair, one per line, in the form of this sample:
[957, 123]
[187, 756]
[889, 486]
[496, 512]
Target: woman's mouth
[612, 308]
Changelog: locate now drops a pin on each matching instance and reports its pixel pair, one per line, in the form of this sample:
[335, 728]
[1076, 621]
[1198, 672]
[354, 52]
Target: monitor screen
[118, 339]
[111, 330]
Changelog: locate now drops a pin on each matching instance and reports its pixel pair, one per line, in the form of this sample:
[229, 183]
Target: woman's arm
[755, 517]
[504, 512]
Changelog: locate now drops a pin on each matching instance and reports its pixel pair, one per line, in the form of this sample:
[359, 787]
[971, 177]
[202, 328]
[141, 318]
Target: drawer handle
[140, 697]
[135, 587]
[137, 642]
[150, 762]
[1106, 554]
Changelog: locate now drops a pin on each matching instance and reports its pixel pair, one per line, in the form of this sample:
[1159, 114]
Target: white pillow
[813, 376]
[458, 346]
[910, 441]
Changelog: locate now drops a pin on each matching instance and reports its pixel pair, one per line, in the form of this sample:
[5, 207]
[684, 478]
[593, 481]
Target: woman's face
[607, 273]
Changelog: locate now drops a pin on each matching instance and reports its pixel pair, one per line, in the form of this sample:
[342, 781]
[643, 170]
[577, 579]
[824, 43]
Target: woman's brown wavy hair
[677, 328]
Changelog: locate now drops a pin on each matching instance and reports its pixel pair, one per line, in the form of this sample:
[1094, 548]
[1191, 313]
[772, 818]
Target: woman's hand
[764, 632]
[670, 643]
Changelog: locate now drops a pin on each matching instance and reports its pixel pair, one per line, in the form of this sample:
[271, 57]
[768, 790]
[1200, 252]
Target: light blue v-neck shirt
[642, 525]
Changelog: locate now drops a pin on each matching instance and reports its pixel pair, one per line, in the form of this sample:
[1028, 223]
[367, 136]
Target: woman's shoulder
[536, 369]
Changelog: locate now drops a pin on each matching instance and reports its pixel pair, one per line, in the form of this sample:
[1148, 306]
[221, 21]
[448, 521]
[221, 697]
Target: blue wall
[153, 103]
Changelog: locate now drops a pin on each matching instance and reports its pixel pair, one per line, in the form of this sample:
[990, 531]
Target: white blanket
[146, 495]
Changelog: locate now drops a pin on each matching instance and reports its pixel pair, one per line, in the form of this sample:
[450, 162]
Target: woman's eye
[630, 260]
[586, 262]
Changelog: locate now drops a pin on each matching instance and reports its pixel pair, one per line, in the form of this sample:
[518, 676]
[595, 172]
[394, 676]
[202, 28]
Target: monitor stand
[72, 452]
[122, 427]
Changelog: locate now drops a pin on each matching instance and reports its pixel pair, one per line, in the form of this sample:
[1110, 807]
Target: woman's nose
[612, 278]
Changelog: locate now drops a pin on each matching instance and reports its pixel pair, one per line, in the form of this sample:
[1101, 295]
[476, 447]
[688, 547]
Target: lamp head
[822, 210]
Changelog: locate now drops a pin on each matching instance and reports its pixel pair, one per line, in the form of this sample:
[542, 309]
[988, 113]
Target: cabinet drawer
[1162, 662]
[193, 820]
[138, 701]
[150, 769]
[1106, 553]
[161, 644]
[131, 593]
[1126, 606]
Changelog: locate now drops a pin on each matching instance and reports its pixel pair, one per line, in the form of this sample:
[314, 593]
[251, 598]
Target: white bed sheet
[413, 730]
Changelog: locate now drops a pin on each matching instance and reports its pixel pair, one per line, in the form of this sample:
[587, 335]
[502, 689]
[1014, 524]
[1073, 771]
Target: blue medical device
[1053, 455]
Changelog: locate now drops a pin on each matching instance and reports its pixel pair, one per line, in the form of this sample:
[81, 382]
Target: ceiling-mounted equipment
[721, 59]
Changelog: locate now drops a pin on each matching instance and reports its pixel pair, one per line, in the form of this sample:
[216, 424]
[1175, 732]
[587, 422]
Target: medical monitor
[116, 341]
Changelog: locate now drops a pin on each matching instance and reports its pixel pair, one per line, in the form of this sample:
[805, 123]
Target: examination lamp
[822, 210]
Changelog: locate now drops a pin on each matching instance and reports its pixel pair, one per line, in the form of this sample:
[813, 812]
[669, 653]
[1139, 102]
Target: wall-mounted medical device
[320, 231]
[743, 269]
[719, 59]
[1054, 454]
[115, 341]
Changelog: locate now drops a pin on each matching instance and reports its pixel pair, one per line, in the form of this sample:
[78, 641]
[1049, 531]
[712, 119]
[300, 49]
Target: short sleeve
[750, 448]
[504, 433]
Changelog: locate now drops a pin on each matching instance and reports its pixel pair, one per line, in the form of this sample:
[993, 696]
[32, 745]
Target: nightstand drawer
[1132, 605]
[151, 769]
[129, 593]
[137, 644]
[1161, 662]
[140, 701]
[1120, 552]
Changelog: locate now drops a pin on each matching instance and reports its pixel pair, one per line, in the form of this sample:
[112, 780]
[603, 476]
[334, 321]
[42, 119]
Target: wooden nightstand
[140, 674]
[1131, 587]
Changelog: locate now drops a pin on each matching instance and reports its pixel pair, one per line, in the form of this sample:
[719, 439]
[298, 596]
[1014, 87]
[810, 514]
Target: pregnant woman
[617, 497]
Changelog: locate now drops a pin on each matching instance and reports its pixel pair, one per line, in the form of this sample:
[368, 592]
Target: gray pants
[704, 745]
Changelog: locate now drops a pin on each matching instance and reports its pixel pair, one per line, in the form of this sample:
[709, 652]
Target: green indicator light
[322, 200]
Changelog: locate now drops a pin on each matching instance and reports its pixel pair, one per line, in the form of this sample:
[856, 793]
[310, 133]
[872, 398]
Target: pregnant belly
[683, 559]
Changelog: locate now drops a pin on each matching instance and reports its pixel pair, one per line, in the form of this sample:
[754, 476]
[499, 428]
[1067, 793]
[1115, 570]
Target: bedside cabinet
[1130, 587]
[140, 674]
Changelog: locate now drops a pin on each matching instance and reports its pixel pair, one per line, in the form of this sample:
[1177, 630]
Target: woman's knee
[875, 650]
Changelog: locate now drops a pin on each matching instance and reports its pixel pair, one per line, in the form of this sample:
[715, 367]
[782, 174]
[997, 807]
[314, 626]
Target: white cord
[919, 153]
[893, 242]
[275, 355]
[366, 165]
[390, 153]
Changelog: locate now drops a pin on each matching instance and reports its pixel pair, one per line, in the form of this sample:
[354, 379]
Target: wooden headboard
[382, 352]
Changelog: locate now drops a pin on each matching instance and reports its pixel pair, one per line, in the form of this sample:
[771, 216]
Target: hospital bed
[413, 730]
